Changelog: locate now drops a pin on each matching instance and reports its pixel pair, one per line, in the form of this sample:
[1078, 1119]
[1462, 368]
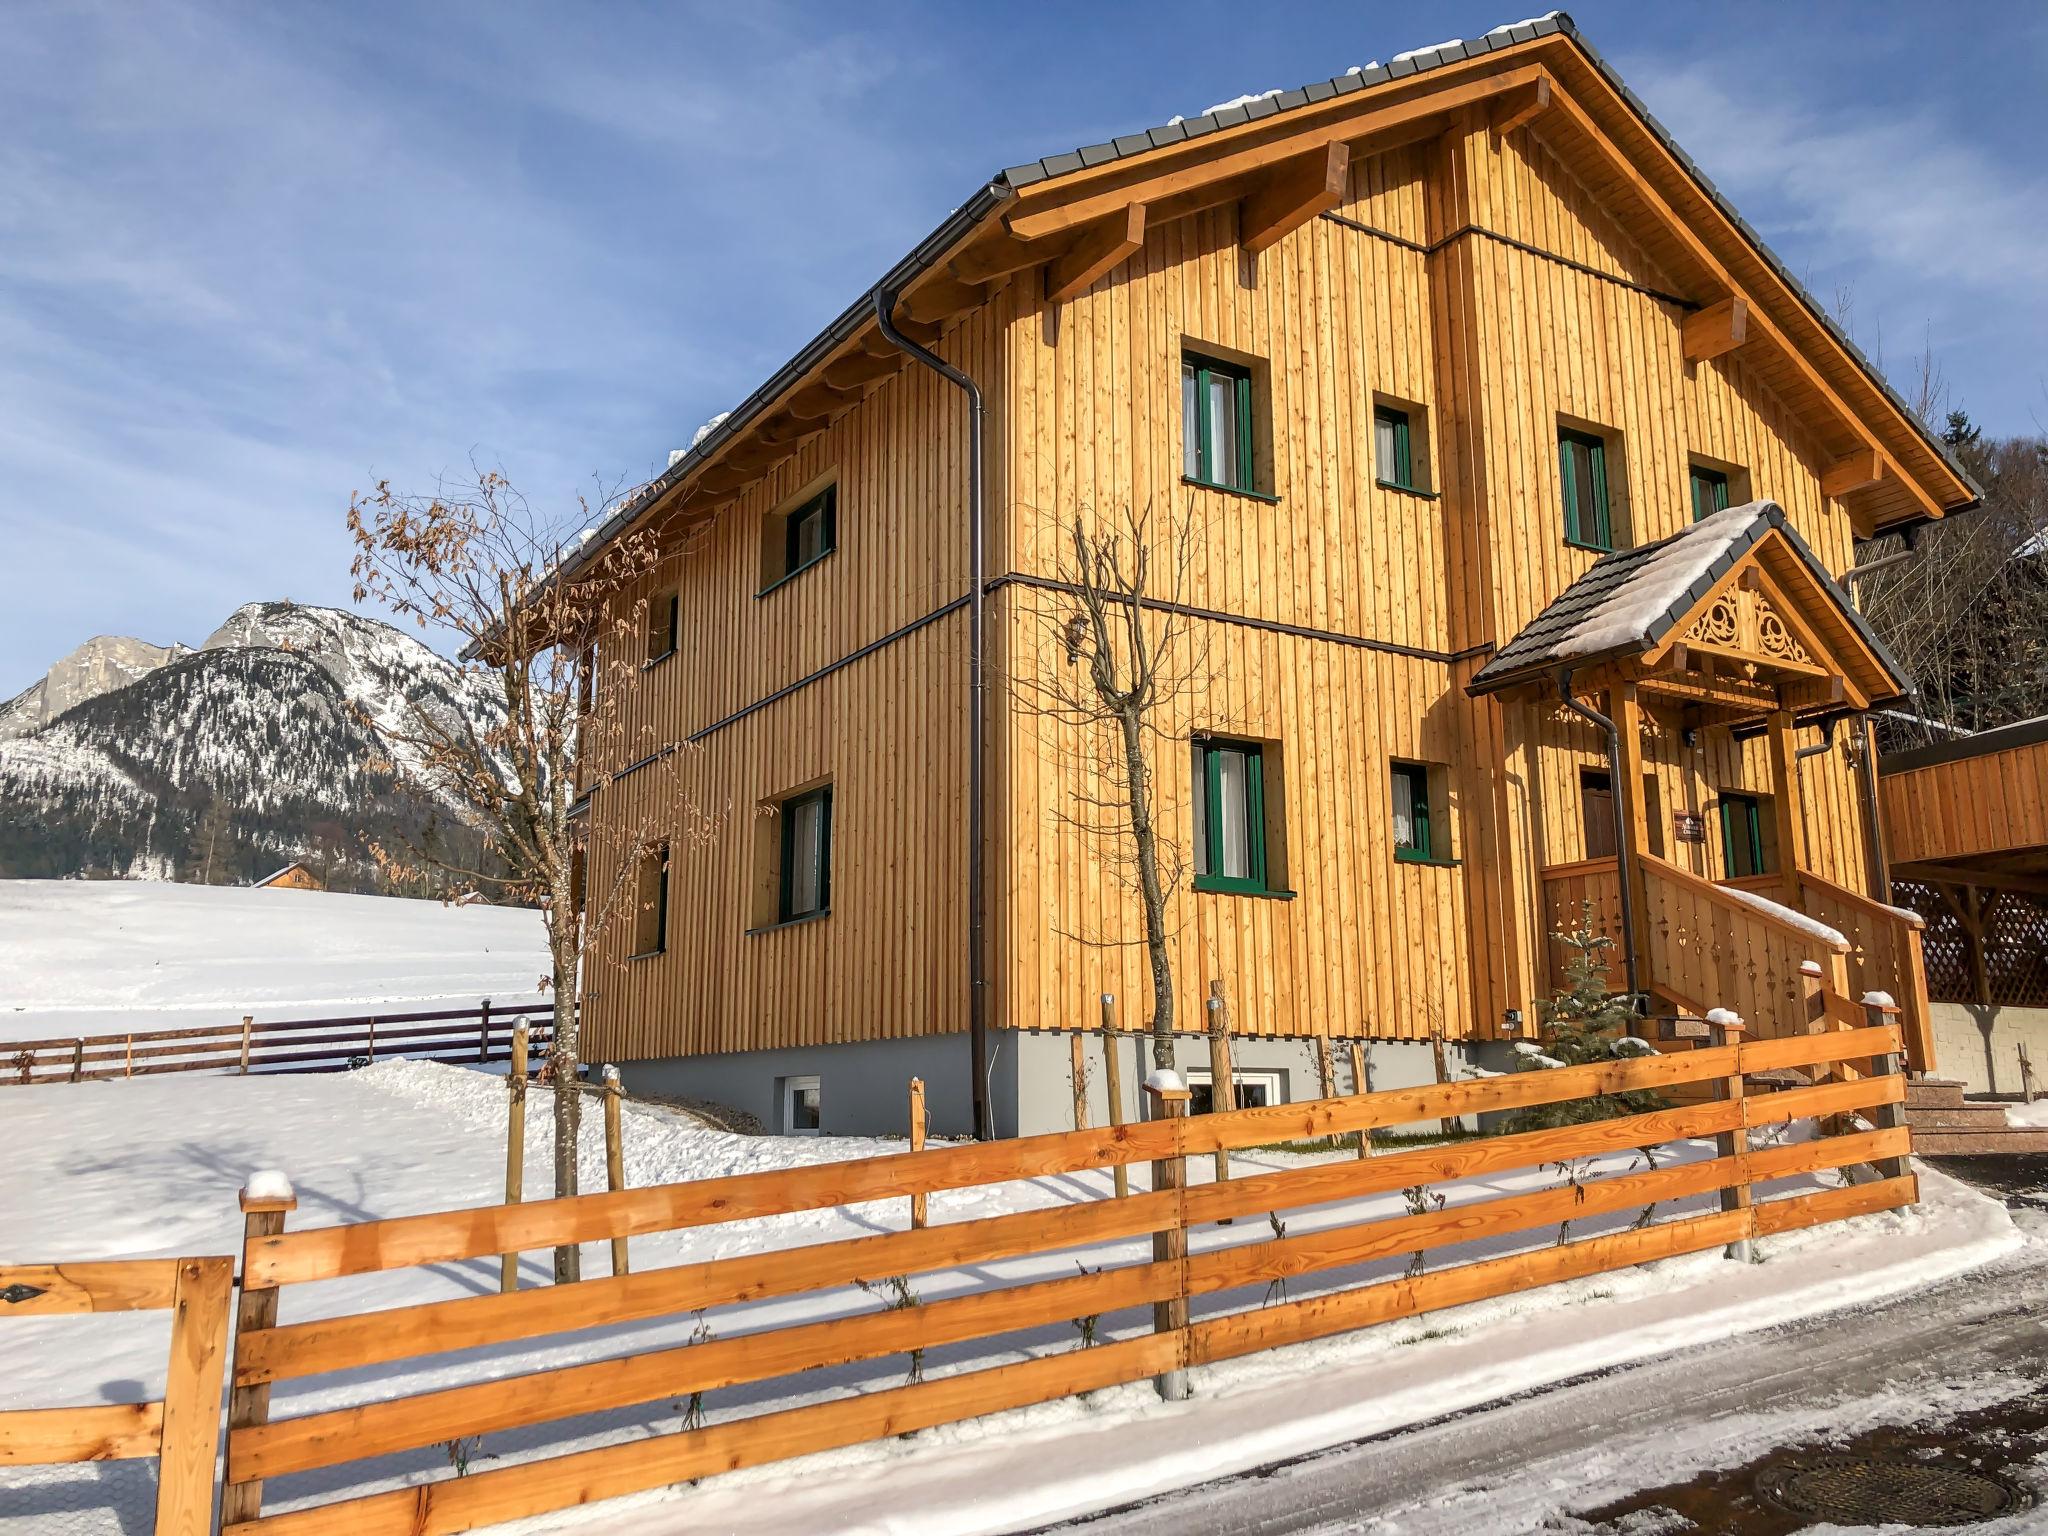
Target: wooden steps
[1945, 1124]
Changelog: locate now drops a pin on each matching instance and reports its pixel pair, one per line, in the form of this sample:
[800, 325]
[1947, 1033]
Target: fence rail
[1857, 1070]
[479, 1034]
[182, 1430]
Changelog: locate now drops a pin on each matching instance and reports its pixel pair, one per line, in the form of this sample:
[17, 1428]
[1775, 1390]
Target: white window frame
[1270, 1079]
[791, 1087]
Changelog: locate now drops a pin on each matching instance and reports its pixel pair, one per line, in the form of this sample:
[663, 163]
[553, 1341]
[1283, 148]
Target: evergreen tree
[1585, 1022]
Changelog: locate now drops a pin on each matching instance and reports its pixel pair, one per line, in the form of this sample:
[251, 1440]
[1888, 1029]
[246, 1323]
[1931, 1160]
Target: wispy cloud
[1911, 210]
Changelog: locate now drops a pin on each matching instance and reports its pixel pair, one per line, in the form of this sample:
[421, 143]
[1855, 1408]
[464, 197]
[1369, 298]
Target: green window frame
[1392, 462]
[1582, 464]
[1215, 451]
[1742, 836]
[650, 927]
[1417, 844]
[811, 531]
[1709, 492]
[1230, 793]
[804, 873]
[664, 616]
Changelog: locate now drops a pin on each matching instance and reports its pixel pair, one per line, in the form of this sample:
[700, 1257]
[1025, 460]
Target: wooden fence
[478, 1034]
[1208, 1300]
[183, 1429]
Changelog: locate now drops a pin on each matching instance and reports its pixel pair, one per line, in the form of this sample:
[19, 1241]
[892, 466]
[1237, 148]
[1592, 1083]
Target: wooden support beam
[1518, 108]
[941, 298]
[1292, 195]
[1716, 329]
[788, 427]
[820, 401]
[1627, 711]
[1000, 255]
[861, 367]
[1101, 250]
[1786, 806]
[1854, 471]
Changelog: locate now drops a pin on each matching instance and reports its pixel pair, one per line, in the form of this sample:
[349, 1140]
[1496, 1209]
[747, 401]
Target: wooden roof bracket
[1717, 329]
[1097, 253]
[1518, 108]
[1292, 195]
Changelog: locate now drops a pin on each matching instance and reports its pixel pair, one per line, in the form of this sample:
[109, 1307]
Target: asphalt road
[1531, 1462]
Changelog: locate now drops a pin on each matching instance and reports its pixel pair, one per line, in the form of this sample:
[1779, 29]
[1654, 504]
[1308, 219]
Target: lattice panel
[2015, 950]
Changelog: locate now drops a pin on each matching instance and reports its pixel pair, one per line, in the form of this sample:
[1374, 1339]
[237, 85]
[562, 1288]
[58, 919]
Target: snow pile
[104, 956]
[1164, 1080]
[1526, 21]
[268, 1184]
[1665, 573]
[1726, 1018]
[709, 427]
[1878, 1000]
[2031, 1117]
[1812, 927]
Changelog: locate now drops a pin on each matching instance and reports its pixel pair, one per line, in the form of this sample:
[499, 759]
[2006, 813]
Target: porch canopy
[1735, 624]
[1735, 617]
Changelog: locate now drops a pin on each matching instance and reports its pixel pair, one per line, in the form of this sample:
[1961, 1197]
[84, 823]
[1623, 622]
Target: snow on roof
[709, 427]
[1626, 615]
[279, 874]
[1237, 101]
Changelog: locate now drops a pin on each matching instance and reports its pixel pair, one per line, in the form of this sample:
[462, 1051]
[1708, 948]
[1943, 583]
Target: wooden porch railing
[1884, 956]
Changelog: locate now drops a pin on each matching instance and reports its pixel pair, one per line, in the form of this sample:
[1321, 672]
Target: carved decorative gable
[1743, 622]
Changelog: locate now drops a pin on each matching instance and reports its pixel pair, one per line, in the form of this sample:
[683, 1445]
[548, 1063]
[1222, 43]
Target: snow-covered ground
[151, 1166]
[2032, 1116]
[82, 957]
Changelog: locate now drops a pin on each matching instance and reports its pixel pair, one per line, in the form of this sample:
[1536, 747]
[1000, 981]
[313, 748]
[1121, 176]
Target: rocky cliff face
[102, 664]
[221, 764]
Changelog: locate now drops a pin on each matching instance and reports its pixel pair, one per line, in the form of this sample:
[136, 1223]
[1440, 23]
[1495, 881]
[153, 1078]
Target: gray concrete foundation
[864, 1086]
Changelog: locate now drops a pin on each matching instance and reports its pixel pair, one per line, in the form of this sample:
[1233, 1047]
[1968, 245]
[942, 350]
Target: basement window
[803, 1107]
[1252, 1090]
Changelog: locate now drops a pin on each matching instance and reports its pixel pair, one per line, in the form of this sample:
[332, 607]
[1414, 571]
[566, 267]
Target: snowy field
[151, 1166]
[80, 957]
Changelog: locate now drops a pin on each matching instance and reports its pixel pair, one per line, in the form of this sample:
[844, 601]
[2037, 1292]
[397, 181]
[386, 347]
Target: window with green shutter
[1216, 422]
[1414, 836]
[1230, 815]
[1393, 460]
[1709, 492]
[806, 862]
[1582, 463]
[1745, 846]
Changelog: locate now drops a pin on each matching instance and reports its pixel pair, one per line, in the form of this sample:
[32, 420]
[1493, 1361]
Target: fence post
[191, 1432]
[1169, 1098]
[2026, 1075]
[1113, 1085]
[1361, 1083]
[1448, 1124]
[373, 1038]
[128, 1067]
[1726, 1029]
[515, 1147]
[248, 1027]
[1222, 1088]
[78, 1060]
[614, 1153]
[483, 1034]
[262, 1216]
[1886, 1117]
[919, 1209]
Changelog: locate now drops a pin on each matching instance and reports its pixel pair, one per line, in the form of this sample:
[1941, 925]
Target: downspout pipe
[1622, 792]
[977, 712]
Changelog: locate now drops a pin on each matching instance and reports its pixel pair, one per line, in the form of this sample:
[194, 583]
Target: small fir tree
[1585, 1023]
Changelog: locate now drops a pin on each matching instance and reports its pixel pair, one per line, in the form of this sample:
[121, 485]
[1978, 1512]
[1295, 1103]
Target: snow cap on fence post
[1166, 1084]
[1725, 1018]
[269, 1189]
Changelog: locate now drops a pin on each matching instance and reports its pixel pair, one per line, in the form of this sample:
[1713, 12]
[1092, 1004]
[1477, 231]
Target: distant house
[293, 877]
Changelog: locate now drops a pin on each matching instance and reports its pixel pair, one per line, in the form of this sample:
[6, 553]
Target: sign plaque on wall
[1688, 827]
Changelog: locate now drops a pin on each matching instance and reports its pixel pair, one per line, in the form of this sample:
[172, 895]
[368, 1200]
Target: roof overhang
[1282, 160]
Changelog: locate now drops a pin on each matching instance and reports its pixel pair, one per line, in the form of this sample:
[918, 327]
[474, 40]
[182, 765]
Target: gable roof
[949, 237]
[1630, 600]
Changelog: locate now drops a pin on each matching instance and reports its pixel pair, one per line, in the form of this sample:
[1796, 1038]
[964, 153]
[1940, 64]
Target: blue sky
[253, 257]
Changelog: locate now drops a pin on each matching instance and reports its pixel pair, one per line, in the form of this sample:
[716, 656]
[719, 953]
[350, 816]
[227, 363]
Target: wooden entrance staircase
[1945, 1124]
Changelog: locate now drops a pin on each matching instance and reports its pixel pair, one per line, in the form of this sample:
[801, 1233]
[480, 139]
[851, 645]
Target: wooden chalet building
[1493, 424]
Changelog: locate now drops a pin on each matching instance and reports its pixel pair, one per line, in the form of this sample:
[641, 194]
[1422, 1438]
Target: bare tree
[554, 663]
[1119, 659]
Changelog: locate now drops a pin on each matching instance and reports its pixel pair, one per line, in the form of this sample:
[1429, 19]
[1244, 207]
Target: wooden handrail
[1607, 866]
[1722, 897]
[1861, 902]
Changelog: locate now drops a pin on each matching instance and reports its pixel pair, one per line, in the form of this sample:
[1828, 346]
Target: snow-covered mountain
[222, 763]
